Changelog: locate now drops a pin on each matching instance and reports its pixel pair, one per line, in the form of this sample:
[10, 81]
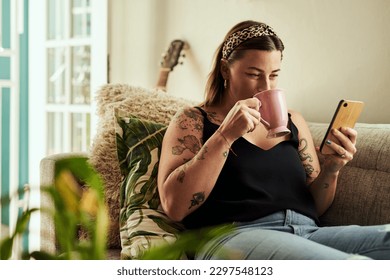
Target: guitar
[169, 61]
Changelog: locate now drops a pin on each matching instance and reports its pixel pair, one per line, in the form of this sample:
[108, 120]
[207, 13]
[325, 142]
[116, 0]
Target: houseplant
[79, 207]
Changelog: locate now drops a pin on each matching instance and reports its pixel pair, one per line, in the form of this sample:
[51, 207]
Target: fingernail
[328, 142]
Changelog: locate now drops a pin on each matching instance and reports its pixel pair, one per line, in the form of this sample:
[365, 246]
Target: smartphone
[346, 115]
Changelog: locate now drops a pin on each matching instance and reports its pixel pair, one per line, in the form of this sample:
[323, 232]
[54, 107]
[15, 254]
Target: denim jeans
[288, 235]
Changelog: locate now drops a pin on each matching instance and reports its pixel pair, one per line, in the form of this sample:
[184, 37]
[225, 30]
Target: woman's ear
[225, 70]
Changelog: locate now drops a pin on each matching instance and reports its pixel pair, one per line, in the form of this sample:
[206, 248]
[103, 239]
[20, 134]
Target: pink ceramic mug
[274, 112]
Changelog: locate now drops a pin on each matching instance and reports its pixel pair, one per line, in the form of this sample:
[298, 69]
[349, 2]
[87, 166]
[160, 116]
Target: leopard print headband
[241, 36]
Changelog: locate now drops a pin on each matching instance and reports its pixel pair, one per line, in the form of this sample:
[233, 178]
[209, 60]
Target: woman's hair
[246, 35]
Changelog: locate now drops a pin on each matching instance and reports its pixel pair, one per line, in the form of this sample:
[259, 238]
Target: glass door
[68, 63]
[68, 41]
[68, 97]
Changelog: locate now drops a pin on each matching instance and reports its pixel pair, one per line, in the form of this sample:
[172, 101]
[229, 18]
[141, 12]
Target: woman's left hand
[344, 152]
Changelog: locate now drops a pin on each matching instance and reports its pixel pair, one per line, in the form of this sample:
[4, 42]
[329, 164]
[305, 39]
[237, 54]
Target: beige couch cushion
[363, 191]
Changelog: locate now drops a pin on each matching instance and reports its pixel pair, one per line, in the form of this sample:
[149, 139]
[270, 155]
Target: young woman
[217, 166]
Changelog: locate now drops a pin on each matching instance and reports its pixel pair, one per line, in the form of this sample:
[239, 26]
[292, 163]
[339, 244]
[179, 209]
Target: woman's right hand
[241, 119]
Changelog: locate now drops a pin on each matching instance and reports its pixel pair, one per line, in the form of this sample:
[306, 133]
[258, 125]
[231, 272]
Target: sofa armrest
[48, 167]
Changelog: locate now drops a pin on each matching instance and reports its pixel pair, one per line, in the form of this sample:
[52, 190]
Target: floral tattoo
[188, 142]
[189, 119]
[214, 118]
[197, 198]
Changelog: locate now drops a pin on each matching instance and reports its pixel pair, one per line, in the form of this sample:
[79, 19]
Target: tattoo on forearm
[326, 185]
[305, 157]
[202, 153]
[182, 171]
[301, 151]
[197, 198]
[309, 169]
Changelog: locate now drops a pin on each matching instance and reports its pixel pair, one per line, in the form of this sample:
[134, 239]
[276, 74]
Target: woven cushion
[153, 105]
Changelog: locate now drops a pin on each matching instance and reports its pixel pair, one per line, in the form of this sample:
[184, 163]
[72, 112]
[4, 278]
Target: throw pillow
[148, 104]
[143, 224]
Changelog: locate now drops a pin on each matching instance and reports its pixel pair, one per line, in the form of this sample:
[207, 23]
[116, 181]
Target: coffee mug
[274, 112]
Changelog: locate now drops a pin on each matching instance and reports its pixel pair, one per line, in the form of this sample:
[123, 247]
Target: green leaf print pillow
[143, 223]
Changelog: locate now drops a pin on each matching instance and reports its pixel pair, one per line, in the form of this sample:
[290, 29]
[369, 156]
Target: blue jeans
[288, 235]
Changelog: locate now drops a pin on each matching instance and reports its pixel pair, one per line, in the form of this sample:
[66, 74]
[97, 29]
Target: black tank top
[255, 183]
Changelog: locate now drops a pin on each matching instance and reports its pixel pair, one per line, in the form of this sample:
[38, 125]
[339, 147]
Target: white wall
[335, 49]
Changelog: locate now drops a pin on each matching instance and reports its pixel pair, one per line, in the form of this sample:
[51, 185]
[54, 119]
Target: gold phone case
[346, 115]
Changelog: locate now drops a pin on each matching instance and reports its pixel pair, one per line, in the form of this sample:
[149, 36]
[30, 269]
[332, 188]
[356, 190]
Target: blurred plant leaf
[91, 215]
[78, 197]
[6, 248]
[187, 244]
[68, 190]
[7, 243]
[38, 255]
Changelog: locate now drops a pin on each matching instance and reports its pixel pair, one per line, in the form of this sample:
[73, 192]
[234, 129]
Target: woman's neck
[227, 103]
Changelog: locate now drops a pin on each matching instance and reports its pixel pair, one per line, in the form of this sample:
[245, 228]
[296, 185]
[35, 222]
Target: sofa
[125, 151]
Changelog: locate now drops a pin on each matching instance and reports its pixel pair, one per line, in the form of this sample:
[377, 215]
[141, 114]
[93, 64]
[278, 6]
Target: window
[68, 96]
[67, 63]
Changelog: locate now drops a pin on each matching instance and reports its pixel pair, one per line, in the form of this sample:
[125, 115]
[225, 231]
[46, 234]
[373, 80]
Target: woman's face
[255, 71]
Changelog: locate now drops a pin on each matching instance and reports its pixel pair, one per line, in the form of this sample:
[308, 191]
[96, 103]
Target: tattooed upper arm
[187, 141]
[189, 119]
[182, 142]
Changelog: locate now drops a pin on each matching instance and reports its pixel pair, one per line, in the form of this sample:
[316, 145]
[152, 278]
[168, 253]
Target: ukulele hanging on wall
[169, 61]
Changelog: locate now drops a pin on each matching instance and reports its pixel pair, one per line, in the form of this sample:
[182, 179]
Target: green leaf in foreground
[188, 243]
